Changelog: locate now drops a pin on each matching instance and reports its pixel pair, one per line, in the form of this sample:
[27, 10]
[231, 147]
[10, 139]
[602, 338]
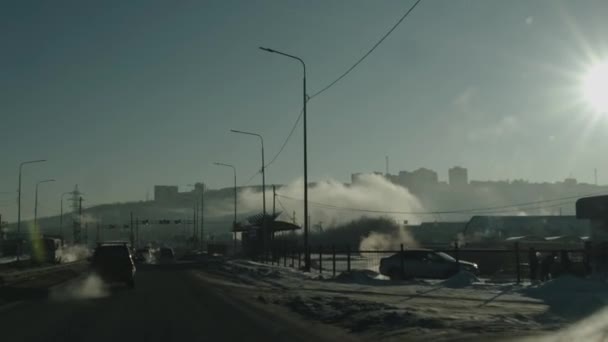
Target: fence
[495, 264]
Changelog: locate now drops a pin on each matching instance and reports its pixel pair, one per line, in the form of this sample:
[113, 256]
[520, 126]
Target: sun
[595, 87]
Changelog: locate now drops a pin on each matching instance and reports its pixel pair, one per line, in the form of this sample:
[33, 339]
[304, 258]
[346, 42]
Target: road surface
[169, 304]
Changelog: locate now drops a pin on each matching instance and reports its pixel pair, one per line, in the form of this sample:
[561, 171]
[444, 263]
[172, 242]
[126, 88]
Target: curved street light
[305, 99]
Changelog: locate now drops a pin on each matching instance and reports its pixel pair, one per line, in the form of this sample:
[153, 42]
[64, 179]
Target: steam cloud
[88, 288]
[381, 241]
[371, 192]
[73, 253]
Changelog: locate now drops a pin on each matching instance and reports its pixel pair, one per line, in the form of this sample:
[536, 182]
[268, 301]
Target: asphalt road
[168, 304]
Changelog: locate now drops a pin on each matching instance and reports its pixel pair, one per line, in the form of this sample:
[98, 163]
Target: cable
[516, 207]
[251, 178]
[281, 204]
[368, 52]
[287, 139]
[341, 77]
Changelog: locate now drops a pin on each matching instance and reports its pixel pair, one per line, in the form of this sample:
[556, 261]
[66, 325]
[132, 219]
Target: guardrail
[14, 277]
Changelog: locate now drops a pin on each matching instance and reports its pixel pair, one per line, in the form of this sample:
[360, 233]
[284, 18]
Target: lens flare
[595, 87]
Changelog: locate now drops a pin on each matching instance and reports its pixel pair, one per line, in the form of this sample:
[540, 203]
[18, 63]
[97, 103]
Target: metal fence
[495, 264]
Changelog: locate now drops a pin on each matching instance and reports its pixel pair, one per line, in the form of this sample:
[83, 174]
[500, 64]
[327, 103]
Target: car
[113, 263]
[166, 255]
[423, 263]
[143, 255]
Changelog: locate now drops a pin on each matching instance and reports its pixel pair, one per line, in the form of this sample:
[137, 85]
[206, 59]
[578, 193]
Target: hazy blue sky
[122, 95]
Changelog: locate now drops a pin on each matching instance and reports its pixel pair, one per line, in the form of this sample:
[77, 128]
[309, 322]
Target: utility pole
[202, 217]
[595, 176]
[387, 165]
[137, 232]
[274, 199]
[78, 226]
[194, 225]
[131, 235]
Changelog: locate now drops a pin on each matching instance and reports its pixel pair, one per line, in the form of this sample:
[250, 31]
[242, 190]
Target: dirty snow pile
[581, 300]
[365, 303]
[460, 280]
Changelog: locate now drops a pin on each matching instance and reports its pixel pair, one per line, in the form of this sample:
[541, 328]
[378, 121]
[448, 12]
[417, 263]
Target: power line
[281, 204]
[287, 139]
[486, 210]
[251, 178]
[368, 52]
[341, 77]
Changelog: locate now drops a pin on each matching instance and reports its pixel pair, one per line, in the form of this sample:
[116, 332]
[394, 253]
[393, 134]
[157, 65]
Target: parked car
[166, 255]
[423, 263]
[113, 263]
[143, 255]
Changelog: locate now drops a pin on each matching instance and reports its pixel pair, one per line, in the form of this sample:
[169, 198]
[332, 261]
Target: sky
[121, 95]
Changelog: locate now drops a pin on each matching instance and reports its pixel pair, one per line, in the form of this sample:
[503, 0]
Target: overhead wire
[486, 210]
[293, 128]
[295, 125]
[367, 53]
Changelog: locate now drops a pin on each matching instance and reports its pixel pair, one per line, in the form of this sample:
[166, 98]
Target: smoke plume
[332, 203]
[87, 288]
[387, 241]
[73, 253]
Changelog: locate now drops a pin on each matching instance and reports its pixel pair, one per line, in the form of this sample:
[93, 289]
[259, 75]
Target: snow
[371, 306]
[460, 280]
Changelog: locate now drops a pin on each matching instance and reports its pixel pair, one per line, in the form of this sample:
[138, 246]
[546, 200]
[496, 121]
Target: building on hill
[165, 193]
[458, 176]
[357, 177]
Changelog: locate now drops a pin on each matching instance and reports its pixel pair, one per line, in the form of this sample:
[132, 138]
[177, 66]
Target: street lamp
[234, 222]
[61, 215]
[36, 201]
[19, 201]
[305, 99]
[263, 182]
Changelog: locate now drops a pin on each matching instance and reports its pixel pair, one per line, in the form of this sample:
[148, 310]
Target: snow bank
[571, 297]
[460, 280]
[366, 277]
[359, 315]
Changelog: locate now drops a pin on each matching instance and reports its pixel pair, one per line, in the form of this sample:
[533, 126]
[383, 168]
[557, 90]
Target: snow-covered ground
[462, 307]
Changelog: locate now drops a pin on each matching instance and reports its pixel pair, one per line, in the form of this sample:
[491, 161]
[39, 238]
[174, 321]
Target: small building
[165, 193]
[458, 176]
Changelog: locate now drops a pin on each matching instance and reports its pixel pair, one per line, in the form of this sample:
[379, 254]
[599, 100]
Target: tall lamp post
[61, 215]
[305, 99]
[36, 201]
[234, 221]
[263, 184]
[19, 201]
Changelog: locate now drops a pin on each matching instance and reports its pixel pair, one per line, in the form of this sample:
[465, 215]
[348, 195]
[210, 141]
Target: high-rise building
[165, 193]
[458, 176]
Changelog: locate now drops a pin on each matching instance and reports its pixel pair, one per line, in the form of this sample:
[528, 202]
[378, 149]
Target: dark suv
[113, 263]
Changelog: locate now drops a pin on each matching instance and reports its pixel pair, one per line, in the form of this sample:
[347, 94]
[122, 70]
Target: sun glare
[595, 87]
